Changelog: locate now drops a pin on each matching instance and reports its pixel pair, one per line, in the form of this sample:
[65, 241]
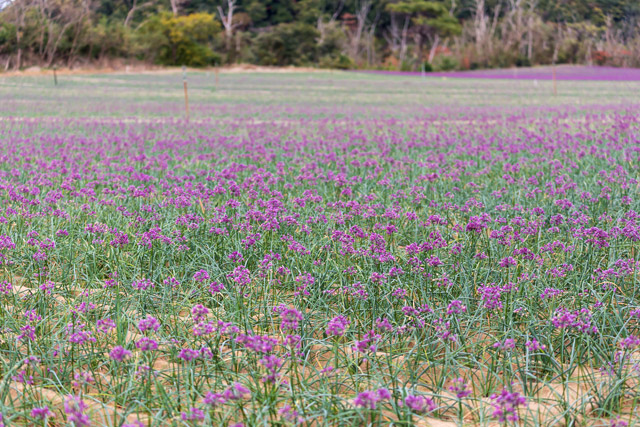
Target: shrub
[445, 63]
[523, 61]
[427, 67]
[406, 66]
[341, 62]
[287, 44]
[7, 38]
[179, 40]
[108, 38]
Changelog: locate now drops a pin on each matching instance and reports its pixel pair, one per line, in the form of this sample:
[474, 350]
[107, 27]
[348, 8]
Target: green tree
[431, 22]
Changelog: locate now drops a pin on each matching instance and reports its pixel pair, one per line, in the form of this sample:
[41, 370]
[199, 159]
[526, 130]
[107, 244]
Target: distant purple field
[565, 72]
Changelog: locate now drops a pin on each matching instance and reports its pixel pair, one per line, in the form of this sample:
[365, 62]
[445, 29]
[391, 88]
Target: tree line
[409, 35]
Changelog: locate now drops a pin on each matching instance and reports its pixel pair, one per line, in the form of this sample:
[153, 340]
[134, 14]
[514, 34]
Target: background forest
[409, 35]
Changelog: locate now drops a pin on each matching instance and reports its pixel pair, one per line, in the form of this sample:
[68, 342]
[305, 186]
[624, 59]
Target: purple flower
[214, 399]
[148, 323]
[42, 413]
[617, 422]
[443, 331]
[490, 296]
[578, 320]
[508, 261]
[119, 353]
[23, 378]
[77, 334]
[258, 343]
[240, 275]
[74, 407]
[419, 404]
[5, 287]
[459, 387]
[146, 344]
[384, 325]
[290, 415]
[203, 329]
[369, 398]
[505, 405]
[399, 293]
[508, 344]
[290, 318]
[199, 313]
[6, 242]
[171, 281]
[83, 378]
[188, 354]
[201, 276]
[105, 325]
[456, 307]
[236, 256]
[337, 326]
[142, 284]
[215, 287]
[368, 344]
[293, 343]
[236, 392]
[272, 364]
[550, 293]
[194, 414]
[28, 333]
[534, 345]
[629, 343]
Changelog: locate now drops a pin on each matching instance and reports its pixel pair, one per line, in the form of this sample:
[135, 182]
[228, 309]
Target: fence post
[186, 95]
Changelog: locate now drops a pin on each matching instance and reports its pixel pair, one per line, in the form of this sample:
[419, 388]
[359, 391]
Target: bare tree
[361, 18]
[80, 21]
[20, 12]
[136, 7]
[484, 28]
[338, 10]
[60, 16]
[371, 39]
[17, 10]
[480, 23]
[324, 27]
[396, 37]
[513, 24]
[227, 21]
[533, 4]
[176, 5]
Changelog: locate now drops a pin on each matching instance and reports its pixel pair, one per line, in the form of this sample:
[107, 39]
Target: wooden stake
[555, 85]
[186, 95]
[55, 77]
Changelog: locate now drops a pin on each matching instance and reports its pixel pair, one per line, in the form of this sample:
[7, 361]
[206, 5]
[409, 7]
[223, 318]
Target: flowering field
[318, 249]
[562, 72]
